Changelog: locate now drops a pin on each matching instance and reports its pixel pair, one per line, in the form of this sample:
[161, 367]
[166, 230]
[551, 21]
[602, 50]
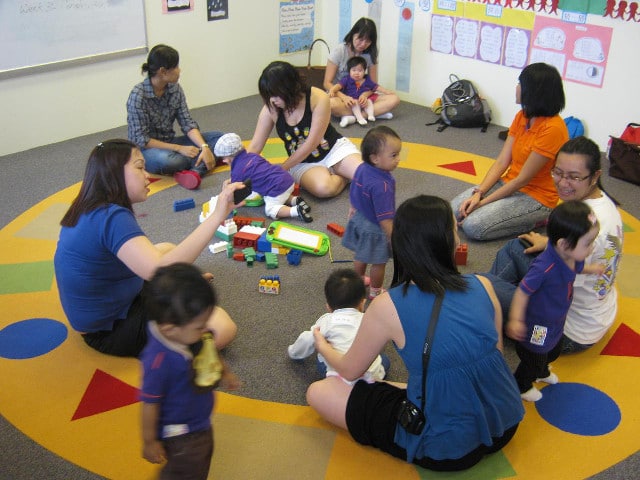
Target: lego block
[269, 284]
[238, 256]
[184, 204]
[229, 250]
[208, 207]
[218, 247]
[244, 240]
[263, 244]
[260, 256]
[279, 249]
[294, 257]
[249, 256]
[242, 221]
[461, 254]
[271, 259]
[335, 229]
[227, 230]
[255, 229]
[296, 190]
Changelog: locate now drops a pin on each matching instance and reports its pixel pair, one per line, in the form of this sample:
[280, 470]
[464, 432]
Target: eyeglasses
[558, 174]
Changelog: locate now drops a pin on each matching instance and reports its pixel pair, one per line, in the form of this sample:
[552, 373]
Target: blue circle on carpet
[31, 338]
[578, 408]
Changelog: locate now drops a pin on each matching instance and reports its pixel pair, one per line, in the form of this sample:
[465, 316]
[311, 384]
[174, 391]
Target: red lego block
[335, 229]
[296, 190]
[245, 240]
[243, 221]
[238, 256]
[461, 254]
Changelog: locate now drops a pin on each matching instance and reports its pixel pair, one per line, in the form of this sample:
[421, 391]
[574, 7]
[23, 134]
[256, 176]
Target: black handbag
[313, 75]
[624, 160]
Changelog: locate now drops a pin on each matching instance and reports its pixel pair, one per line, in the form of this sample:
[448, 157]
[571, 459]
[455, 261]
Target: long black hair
[365, 28]
[424, 242]
[103, 181]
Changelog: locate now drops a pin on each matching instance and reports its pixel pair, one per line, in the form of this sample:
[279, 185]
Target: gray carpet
[267, 324]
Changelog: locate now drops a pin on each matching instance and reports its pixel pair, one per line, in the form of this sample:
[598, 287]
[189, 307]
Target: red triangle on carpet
[154, 179]
[104, 393]
[624, 343]
[463, 167]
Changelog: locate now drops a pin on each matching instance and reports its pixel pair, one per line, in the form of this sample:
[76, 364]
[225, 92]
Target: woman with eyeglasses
[576, 175]
[517, 193]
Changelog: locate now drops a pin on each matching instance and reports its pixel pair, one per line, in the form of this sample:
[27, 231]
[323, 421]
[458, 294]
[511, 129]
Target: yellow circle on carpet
[41, 395]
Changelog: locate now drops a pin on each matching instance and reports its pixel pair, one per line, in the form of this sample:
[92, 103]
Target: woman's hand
[206, 156]
[538, 242]
[225, 203]
[188, 150]
[469, 205]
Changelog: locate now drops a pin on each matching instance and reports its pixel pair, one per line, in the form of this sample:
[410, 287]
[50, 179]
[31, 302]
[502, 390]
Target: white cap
[228, 145]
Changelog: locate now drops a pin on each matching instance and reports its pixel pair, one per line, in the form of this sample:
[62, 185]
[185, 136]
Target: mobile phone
[242, 193]
[525, 243]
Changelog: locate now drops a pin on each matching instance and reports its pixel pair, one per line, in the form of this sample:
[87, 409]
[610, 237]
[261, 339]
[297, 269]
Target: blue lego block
[260, 256]
[294, 256]
[263, 245]
[184, 204]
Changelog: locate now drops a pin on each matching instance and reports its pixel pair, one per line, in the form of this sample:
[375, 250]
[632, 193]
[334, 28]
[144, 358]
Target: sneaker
[375, 293]
[347, 120]
[531, 395]
[188, 179]
[385, 116]
[552, 379]
[302, 205]
[304, 215]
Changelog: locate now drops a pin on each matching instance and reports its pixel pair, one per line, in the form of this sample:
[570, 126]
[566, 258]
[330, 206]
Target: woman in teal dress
[473, 405]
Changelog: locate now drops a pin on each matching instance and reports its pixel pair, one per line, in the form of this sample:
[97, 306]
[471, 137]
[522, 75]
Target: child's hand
[318, 338]
[594, 269]
[154, 452]
[230, 380]
[516, 329]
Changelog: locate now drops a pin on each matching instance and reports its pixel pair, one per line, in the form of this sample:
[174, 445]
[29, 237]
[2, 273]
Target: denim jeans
[168, 162]
[507, 217]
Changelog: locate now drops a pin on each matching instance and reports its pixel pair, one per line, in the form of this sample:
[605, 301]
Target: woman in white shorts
[320, 159]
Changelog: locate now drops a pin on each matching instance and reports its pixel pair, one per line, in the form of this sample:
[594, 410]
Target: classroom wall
[222, 60]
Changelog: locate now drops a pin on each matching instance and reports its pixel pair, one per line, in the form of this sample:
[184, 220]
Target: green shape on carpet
[492, 467]
[26, 277]
[626, 228]
[274, 150]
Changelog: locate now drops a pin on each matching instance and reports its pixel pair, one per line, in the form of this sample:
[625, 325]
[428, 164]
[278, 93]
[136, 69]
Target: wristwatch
[204, 145]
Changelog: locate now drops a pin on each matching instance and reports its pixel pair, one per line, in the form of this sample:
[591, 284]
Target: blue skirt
[367, 240]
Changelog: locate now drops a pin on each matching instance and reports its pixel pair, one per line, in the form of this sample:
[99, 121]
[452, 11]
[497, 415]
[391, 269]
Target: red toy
[461, 254]
[336, 229]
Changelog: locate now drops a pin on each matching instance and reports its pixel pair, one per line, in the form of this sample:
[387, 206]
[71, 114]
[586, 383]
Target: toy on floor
[184, 204]
[461, 254]
[305, 239]
[269, 284]
[335, 229]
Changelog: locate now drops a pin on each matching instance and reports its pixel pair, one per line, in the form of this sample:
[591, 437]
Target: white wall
[222, 60]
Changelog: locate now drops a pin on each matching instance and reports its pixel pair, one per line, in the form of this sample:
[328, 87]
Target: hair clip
[100, 145]
[592, 218]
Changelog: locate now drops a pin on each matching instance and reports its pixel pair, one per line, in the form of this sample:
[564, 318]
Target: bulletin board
[41, 35]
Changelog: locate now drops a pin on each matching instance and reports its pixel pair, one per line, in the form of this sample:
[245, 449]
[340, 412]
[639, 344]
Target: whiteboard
[39, 35]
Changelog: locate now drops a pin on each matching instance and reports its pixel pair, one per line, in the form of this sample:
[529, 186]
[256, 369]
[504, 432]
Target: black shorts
[372, 412]
[128, 336]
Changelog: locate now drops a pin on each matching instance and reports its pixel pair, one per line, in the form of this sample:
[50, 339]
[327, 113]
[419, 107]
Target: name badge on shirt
[538, 335]
[174, 430]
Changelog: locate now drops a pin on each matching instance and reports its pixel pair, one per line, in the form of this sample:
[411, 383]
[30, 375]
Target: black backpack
[462, 106]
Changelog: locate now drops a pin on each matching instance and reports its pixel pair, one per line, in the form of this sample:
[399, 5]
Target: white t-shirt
[595, 300]
[339, 328]
[340, 55]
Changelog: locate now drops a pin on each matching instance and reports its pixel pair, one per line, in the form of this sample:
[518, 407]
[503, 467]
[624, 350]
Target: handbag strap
[311, 50]
[428, 346]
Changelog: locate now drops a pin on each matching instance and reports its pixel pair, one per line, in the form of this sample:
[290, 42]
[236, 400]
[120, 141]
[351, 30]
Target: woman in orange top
[517, 193]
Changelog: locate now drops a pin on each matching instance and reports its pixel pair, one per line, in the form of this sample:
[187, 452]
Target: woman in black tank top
[320, 159]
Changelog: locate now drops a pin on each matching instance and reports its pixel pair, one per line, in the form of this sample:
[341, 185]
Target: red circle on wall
[406, 13]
